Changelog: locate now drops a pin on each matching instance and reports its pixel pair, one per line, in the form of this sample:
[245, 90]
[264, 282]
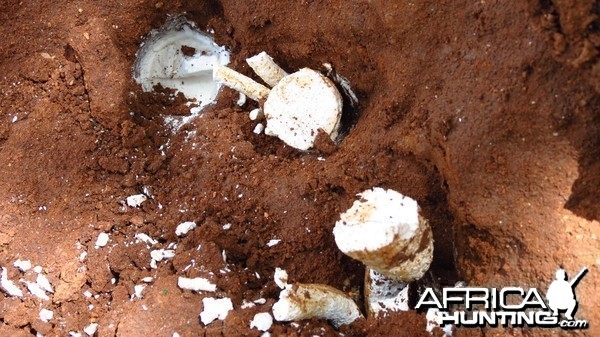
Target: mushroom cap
[385, 231]
[301, 104]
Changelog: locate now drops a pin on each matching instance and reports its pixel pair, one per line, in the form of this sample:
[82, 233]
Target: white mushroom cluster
[298, 106]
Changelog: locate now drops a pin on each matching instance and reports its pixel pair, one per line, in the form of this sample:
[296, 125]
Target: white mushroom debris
[102, 240]
[138, 290]
[196, 284]
[146, 239]
[281, 278]
[23, 265]
[434, 319]
[43, 282]
[36, 290]
[91, 329]
[136, 200]
[9, 287]
[385, 231]
[262, 321]
[178, 56]
[215, 308]
[46, 315]
[299, 105]
[161, 254]
[304, 301]
[183, 228]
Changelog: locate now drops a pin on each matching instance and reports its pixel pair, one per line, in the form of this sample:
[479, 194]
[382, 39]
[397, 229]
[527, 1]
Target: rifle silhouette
[577, 278]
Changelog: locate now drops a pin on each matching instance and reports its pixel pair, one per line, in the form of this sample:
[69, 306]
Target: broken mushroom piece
[181, 57]
[264, 66]
[304, 301]
[386, 232]
[299, 105]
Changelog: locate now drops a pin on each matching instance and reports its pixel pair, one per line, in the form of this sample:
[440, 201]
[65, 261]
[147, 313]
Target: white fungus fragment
[215, 309]
[161, 254]
[183, 228]
[262, 321]
[91, 329]
[196, 284]
[37, 269]
[23, 265]
[74, 334]
[43, 282]
[102, 240]
[163, 59]
[175, 334]
[281, 277]
[146, 239]
[259, 128]
[241, 99]
[260, 301]
[46, 315]
[36, 290]
[227, 226]
[434, 319]
[256, 114]
[87, 294]
[273, 242]
[136, 200]
[305, 301]
[147, 279]
[137, 291]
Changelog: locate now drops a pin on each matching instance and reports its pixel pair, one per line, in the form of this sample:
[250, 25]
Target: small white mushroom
[386, 232]
[304, 301]
[299, 105]
[264, 66]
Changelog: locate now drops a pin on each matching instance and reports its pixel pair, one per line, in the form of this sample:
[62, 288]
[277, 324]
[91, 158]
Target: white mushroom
[299, 105]
[304, 301]
[385, 231]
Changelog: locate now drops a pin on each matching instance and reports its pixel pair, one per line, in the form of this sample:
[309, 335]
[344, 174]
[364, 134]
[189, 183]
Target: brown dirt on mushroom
[486, 113]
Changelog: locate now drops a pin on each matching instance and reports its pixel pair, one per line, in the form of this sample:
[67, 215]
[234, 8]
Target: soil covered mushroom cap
[300, 105]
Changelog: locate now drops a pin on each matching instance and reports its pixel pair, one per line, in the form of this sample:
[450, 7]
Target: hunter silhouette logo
[508, 306]
[561, 294]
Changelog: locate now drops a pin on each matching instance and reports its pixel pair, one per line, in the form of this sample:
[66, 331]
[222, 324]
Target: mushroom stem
[384, 293]
[304, 301]
[239, 82]
[264, 66]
